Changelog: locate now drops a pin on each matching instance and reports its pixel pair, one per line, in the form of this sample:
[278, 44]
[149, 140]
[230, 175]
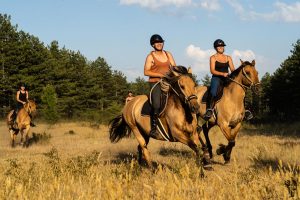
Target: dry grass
[77, 161]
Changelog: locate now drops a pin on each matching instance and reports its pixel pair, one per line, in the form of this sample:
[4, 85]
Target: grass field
[77, 161]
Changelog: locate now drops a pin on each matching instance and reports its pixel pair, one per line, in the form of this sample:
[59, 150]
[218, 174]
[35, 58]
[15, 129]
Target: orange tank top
[159, 67]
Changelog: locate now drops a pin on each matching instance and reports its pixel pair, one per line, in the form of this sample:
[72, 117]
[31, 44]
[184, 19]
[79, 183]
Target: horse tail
[118, 129]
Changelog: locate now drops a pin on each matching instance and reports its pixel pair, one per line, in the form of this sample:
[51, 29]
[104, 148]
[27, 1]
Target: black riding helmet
[155, 38]
[219, 43]
[22, 85]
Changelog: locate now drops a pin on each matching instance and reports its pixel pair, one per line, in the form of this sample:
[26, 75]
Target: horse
[229, 111]
[22, 124]
[179, 114]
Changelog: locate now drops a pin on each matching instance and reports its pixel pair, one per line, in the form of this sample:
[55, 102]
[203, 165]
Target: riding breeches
[155, 97]
[216, 82]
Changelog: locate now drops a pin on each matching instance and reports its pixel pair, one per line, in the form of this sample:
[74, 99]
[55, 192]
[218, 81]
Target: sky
[119, 30]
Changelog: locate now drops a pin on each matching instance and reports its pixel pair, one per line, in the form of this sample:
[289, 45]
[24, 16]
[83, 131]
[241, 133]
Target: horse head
[182, 84]
[30, 106]
[248, 76]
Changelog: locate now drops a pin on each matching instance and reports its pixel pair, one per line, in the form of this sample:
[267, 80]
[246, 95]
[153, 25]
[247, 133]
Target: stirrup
[248, 115]
[209, 112]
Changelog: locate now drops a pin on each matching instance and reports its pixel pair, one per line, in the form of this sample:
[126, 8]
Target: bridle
[185, 98]
[245, 87]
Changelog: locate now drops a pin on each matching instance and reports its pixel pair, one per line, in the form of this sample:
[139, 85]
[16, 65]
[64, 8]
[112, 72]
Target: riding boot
[210, 108]
[248, 115]
[153, 125]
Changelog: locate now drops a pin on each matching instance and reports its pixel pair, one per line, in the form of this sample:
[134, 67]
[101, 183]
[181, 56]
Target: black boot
[248, 115]
[210, 108]
[153, 125]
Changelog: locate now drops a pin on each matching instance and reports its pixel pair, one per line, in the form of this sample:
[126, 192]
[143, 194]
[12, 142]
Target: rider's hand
[23, 103]
[225, 74]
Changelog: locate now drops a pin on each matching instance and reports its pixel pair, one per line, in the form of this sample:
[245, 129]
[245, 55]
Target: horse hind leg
[143, 152]
[206, 128]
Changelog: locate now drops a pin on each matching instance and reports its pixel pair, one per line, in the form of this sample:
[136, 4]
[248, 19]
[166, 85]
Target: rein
[245, 87]
[186, 99]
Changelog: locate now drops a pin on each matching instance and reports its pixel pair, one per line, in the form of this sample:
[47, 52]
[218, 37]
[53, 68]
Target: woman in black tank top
[21, 97]
[219, 64]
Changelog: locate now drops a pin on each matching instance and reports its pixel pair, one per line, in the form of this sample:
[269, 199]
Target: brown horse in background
[22, 124]
[179, 114]
[229, 111]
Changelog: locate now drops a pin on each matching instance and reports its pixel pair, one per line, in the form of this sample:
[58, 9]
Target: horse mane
[181, 70]
[236, 72]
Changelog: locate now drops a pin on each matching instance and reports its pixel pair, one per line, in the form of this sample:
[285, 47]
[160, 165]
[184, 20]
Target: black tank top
[222, 67]
[22, 96]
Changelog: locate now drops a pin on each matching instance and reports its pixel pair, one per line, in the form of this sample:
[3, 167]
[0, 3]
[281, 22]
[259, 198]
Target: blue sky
[119, 30]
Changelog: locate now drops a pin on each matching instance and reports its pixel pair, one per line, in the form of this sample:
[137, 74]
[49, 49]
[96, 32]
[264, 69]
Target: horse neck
[176, 105]
[236, 91]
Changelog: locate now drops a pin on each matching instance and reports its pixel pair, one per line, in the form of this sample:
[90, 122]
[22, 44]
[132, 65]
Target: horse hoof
[227, 162]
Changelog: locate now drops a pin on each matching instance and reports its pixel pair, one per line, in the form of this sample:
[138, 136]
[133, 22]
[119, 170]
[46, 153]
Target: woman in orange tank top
[157, 64]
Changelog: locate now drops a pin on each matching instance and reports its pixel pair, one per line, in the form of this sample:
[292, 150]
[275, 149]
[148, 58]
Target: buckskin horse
[179, 116]
[22, 124]
[229, 111]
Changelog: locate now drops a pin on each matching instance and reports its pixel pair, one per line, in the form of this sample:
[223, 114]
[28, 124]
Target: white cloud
[156, 4]
[289, 13]
[200, 58]
[243, 55]
[153, 4]
[283, 12]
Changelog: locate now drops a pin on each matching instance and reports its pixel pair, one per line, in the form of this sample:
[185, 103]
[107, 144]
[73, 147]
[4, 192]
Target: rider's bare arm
[172, 61]
[147, 68]
[231, 66]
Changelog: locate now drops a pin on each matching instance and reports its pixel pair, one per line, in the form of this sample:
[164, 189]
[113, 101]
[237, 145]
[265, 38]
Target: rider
[157, 64]
[22, 98]
[219, 64]
[129, 97]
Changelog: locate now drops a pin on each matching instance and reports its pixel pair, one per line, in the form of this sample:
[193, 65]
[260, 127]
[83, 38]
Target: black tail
[118, 129]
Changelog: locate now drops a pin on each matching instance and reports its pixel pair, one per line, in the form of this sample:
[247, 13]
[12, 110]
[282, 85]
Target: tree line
[66, 85]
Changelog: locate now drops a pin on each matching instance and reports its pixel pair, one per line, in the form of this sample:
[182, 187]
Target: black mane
[181, 70]
[236, 72]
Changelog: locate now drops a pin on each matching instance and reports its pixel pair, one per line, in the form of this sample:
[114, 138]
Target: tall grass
[86, 166]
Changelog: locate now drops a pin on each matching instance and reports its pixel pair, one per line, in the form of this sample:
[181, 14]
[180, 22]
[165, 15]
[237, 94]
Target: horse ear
[253, 63]
[175, 73]
[242, 62]
[190, 70]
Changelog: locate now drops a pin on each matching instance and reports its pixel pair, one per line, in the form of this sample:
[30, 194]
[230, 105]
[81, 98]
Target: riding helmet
[155, 38]
[219, 43]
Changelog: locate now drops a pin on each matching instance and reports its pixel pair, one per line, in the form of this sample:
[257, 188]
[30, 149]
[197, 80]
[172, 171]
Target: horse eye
[182, 87]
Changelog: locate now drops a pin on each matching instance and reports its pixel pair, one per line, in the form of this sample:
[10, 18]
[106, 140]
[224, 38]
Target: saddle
[147, 108]
[218, 97]
[162, 126]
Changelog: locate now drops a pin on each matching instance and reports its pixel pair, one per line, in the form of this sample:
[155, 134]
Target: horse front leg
[13, 135]
[230, 134]
[26, 133]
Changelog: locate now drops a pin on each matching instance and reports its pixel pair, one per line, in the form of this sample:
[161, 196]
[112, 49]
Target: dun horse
[23, 120]
[179, 115]
[229, 111]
